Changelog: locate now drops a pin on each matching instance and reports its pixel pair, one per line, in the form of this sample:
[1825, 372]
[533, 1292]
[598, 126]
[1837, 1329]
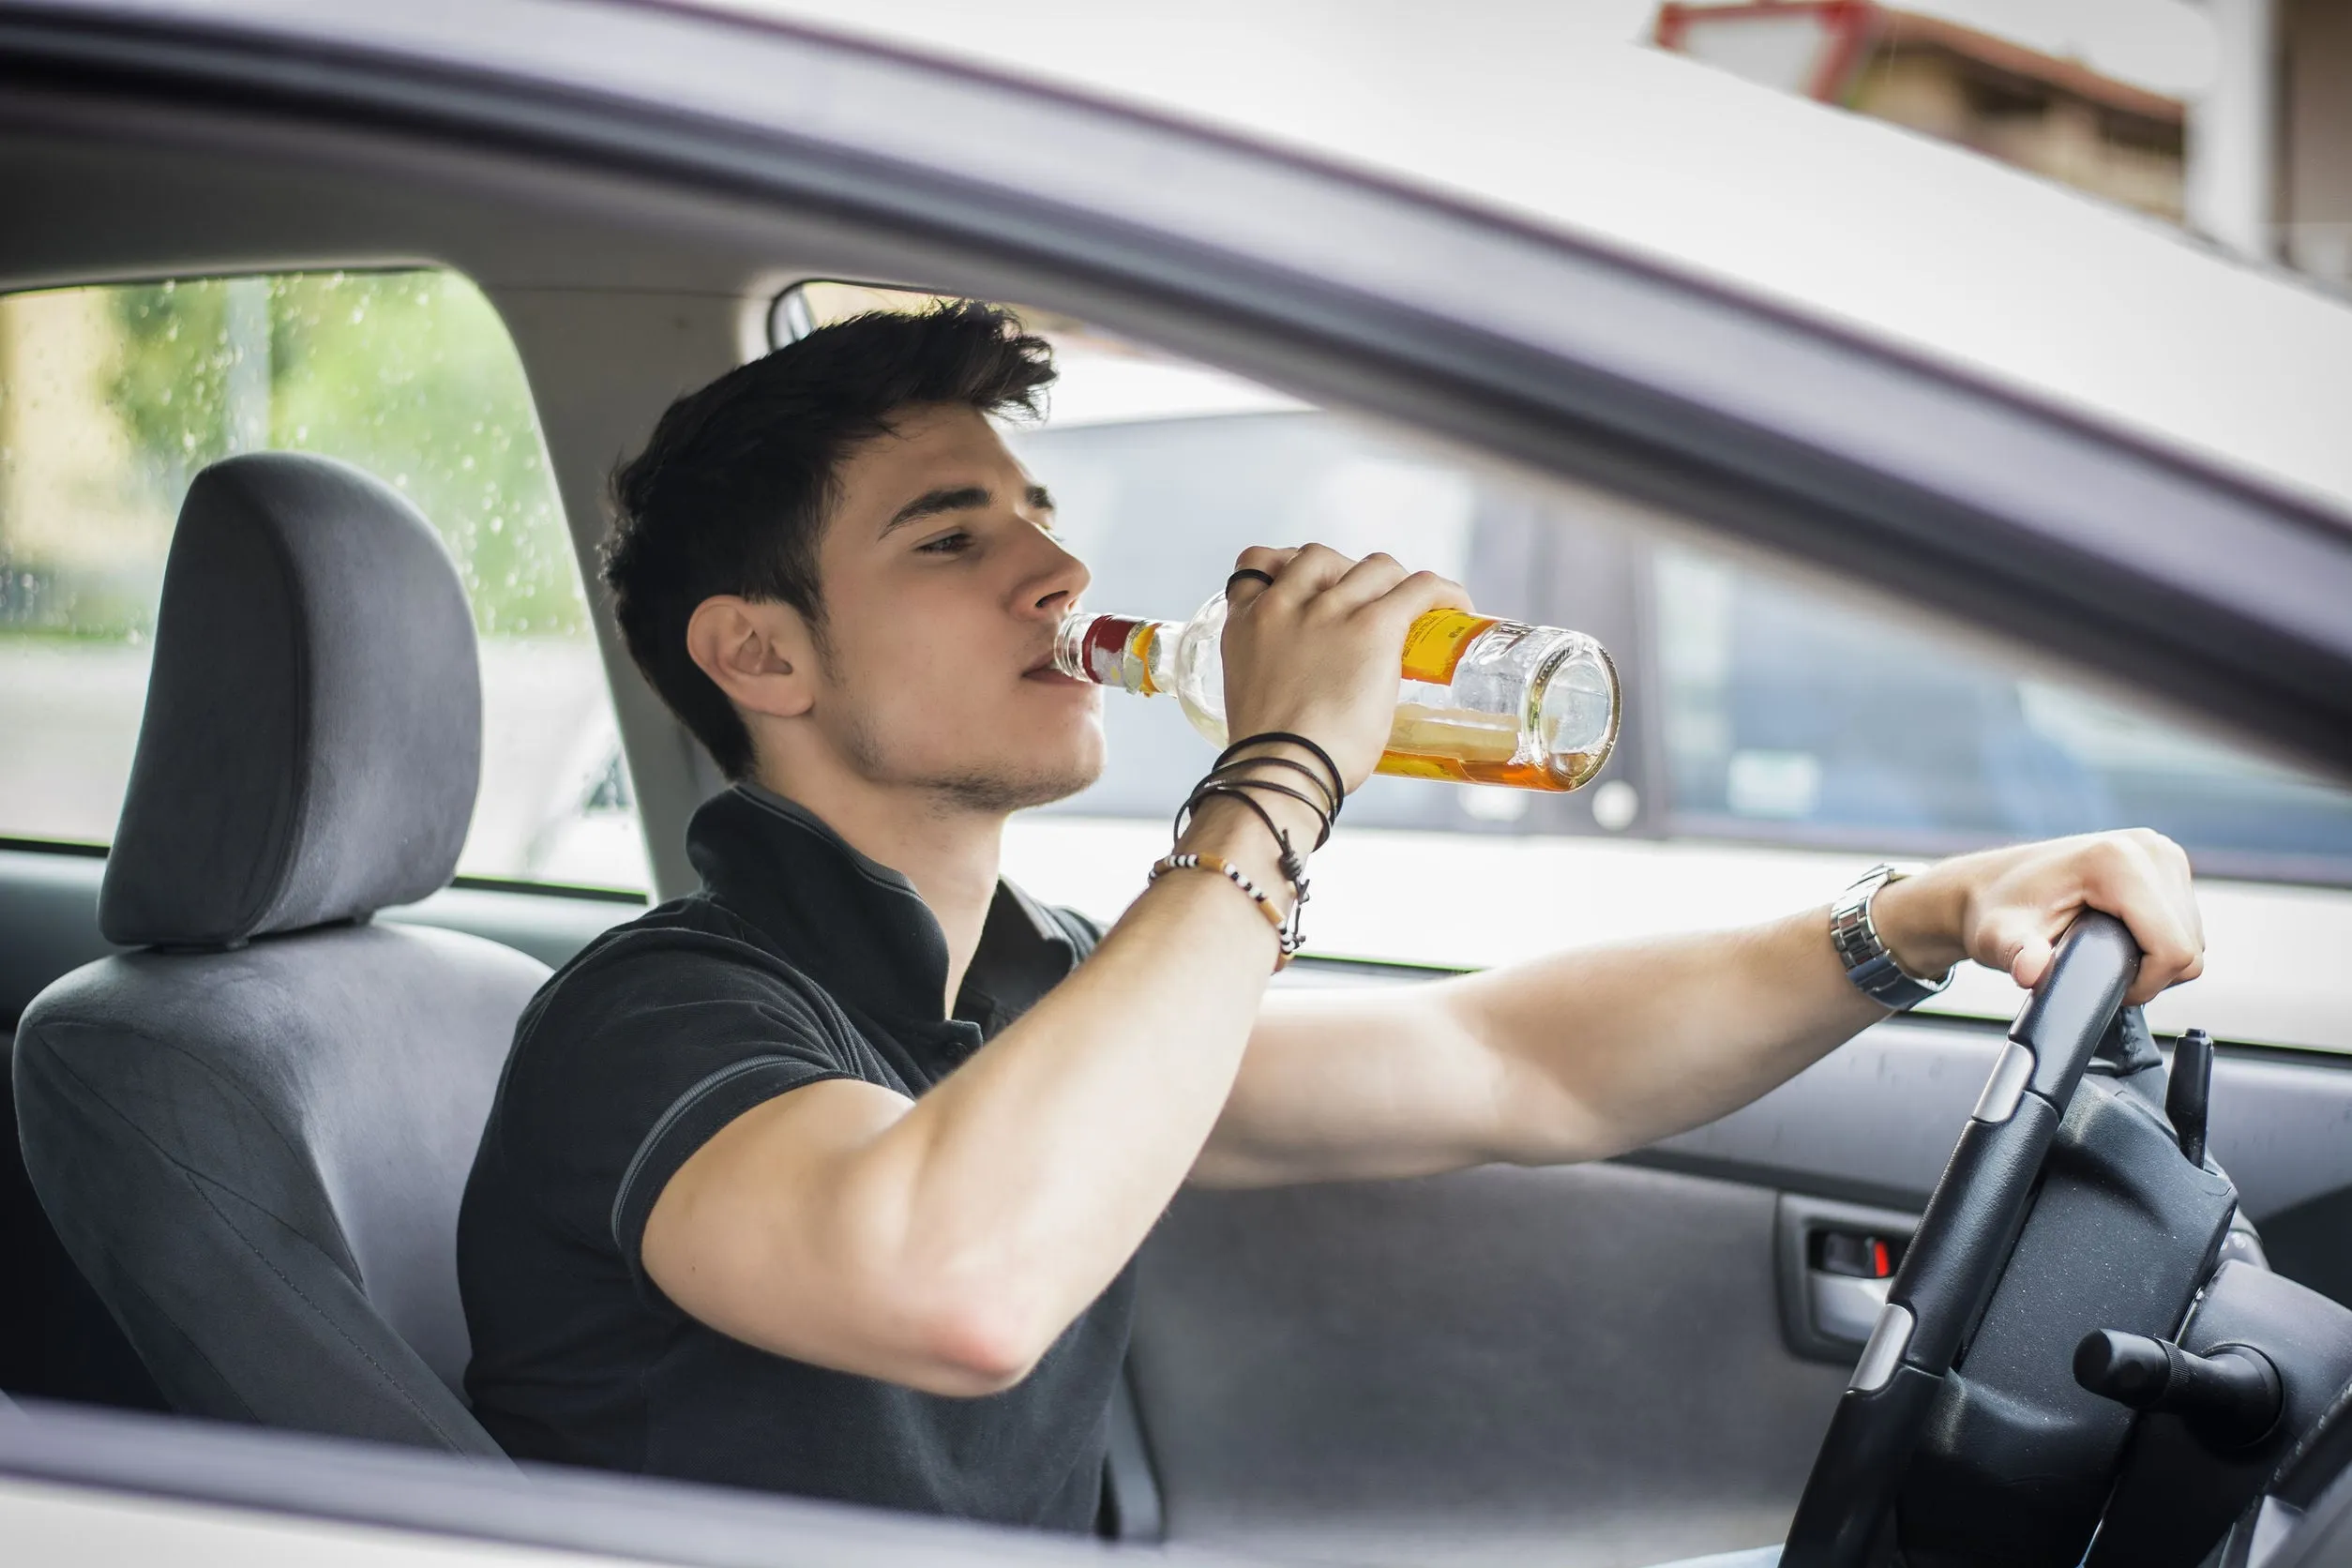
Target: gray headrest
[313, 732]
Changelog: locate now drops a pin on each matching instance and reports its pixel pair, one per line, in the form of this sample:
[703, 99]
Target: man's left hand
[2006, 909]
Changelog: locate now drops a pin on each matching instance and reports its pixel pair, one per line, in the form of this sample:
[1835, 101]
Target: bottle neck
[1110, 650]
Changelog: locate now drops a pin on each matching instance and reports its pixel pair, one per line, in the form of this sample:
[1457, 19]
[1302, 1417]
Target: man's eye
[946, 544]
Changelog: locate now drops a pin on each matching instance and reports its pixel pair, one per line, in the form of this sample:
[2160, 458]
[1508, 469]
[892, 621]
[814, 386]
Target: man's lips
[1043, 670]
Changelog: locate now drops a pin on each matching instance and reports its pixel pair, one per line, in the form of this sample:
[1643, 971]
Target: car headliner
[1876, 228]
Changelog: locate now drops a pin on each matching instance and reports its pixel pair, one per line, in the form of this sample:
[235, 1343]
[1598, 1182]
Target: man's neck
[948, 852]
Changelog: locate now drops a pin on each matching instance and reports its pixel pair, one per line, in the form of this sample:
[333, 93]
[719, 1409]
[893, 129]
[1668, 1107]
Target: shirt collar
[860, 929]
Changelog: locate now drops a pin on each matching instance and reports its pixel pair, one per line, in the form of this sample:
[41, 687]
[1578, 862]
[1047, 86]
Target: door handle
[1844, 1308]
[1836, 1262]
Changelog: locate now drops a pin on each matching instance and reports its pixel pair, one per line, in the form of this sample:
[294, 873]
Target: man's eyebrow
[959, 498]
[1040, 499]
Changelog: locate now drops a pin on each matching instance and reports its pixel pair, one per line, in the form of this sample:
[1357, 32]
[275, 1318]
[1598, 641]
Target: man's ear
[757, 652]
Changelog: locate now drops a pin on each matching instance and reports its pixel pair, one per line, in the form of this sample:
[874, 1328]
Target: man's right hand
[1318, 652]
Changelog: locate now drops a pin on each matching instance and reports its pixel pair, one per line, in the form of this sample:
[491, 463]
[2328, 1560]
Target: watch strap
[1869, 964]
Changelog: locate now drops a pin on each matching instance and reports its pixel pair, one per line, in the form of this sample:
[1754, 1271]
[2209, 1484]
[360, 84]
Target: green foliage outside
[409, 375]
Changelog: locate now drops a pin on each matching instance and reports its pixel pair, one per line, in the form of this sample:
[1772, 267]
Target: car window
[1793, 715]
[1757, 709]
[112, 399]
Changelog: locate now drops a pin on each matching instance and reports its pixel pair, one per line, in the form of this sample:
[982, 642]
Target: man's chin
[1005, 791]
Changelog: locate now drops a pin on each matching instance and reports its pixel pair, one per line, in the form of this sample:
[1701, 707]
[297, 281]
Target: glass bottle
[1480, 701]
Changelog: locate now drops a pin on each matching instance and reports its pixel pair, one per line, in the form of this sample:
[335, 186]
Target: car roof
[1547, 116]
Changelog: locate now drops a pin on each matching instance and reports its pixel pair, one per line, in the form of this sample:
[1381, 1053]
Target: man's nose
[1065, 578]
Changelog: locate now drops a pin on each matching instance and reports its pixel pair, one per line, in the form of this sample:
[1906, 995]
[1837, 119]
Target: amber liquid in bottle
[1477, 748]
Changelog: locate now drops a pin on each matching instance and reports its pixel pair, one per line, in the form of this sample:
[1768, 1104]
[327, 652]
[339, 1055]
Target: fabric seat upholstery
[57, 1341]
[252, 1133]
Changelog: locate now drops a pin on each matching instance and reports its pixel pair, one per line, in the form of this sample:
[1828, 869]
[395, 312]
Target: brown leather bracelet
[1225, 784]
[1338, 790]
[1324, 809]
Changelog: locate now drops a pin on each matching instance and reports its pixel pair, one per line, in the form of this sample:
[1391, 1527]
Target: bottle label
[1104, 651]
[1139, 646]
[1435, 643]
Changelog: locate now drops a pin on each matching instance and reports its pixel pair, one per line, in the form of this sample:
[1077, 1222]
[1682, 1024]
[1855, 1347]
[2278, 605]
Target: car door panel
[1600, 1363]
[1571, 1365]
[1875, 1121]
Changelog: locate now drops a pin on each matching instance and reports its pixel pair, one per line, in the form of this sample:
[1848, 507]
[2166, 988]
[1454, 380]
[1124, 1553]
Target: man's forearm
[1041, 1164]
[1590, 1054]
[1572, 1057]
[1611, 1048]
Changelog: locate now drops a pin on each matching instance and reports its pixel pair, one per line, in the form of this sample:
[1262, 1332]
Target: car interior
[287, 851]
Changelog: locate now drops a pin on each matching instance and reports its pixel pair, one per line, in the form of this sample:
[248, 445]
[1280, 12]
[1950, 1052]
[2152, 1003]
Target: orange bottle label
[1141, 646]
[1434, 644]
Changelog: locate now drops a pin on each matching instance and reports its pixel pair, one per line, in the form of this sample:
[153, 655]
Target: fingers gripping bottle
[1480, 701]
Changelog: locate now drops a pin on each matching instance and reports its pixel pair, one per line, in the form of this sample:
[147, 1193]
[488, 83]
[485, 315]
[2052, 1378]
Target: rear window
[112, 399]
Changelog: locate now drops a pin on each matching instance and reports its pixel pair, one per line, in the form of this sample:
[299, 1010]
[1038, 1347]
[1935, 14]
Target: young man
[828, 1179]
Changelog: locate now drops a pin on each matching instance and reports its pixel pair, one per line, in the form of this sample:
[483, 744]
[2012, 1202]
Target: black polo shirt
[800, 959]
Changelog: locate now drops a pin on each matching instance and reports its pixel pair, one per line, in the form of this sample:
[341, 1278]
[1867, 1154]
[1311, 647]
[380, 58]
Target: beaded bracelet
[1226, 868]
[1229, 776]
[1292, 864]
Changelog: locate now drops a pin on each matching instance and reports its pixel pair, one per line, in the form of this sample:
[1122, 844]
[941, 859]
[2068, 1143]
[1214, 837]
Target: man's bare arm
[1590, 1054]
[946, 1243]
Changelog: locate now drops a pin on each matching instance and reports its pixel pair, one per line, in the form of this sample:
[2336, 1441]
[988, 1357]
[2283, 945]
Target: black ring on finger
[1266, 578]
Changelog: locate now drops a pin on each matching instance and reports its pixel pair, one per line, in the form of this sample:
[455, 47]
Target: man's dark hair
[731, 494]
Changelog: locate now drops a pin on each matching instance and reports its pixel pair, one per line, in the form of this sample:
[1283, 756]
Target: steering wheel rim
[1963, 1241]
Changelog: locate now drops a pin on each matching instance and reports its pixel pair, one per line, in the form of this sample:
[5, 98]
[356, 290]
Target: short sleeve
[636, 1060]
[1085, 932]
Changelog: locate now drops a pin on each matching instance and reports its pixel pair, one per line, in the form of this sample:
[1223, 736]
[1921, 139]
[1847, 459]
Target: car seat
[251, 1132]
[57, 1340]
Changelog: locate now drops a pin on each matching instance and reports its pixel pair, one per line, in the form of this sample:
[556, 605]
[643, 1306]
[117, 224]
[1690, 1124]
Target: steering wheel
[1962, 1243]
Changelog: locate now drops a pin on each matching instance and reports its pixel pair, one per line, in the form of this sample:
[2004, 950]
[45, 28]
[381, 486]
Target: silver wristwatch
[1868, 964]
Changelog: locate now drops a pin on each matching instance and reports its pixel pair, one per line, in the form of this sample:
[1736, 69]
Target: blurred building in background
[2315, 185]
[2258, 158]
[2057, 117]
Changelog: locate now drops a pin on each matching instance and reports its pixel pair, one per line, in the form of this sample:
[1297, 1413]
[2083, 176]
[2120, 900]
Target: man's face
[942, 583]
